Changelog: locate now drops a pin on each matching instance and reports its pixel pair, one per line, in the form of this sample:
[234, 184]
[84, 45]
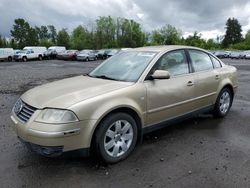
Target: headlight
[56, 116]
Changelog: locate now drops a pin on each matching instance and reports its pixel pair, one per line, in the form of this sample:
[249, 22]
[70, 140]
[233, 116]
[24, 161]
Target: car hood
[21, 53]
[67, 92]
[82, 55]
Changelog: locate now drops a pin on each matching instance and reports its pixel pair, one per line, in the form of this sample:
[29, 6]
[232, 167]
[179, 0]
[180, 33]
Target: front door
[169, 98]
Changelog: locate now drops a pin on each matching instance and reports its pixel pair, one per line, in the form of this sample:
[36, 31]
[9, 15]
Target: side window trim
[190, 65]
[213, 61]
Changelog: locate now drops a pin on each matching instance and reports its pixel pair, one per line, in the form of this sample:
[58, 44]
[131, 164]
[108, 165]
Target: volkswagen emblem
[18, 106]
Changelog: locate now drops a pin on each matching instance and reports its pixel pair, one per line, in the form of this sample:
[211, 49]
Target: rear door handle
[217, 77]
[190, 83]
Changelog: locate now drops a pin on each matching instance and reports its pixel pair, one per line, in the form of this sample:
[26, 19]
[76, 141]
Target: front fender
[96, 108]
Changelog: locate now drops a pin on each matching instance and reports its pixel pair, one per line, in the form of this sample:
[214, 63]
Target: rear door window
[216, 62]
[200, 60]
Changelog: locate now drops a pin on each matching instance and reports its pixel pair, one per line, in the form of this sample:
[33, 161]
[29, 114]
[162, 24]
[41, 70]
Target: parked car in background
[86, 55]
[68, 55]
[212, 51]
[52, 51]
[126, 96]
[30, 52]
[243, 54]
[111, 52]
[100, 54]
[6, 54]
[96, 53]
[235, 55]
[17, 51]
[247, 54]
[222, 54]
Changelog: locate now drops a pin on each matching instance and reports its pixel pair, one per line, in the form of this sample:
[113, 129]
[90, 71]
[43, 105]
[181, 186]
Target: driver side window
[174, 62]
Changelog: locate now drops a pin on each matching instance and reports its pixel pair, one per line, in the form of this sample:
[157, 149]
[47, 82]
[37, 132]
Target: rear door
[169, 98]
[206, 78]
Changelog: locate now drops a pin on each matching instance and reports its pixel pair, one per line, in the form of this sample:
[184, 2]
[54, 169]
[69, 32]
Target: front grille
[23, 111]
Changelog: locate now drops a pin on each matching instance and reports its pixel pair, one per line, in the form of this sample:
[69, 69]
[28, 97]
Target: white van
[30, 52]
[6, 54]
[52, 51]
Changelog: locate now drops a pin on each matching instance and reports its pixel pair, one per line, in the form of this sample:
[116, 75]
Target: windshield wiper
[104, 77]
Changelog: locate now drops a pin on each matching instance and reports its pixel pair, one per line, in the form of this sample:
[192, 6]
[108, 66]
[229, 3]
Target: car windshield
[23, 51]
[126, 66]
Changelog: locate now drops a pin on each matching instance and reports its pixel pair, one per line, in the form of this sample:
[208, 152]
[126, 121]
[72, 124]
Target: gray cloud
[187, 15]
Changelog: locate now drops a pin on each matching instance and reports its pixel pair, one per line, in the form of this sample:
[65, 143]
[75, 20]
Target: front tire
[24, 59]
[116, 137]
[223, 103]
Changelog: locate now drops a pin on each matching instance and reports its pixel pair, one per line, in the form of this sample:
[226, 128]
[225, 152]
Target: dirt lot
[200, 152]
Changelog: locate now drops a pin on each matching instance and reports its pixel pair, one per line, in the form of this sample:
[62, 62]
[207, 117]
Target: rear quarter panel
[228, 77]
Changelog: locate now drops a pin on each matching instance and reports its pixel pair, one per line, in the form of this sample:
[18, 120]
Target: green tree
[52, 33]
[210, 44]
[1, 42]
[23, 33]
[129, 33]
[13, 44]
[80, 38]
[233, 32]
[167, 35]
[195, 40]
[105, 32]
[63, 38]
[42, 32]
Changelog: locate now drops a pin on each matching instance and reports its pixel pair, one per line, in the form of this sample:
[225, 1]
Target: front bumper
[81, 58]
[17, 57]
[48, 151]
[54, 139]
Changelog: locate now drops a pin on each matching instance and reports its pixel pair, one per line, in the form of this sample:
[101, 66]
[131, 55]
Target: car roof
[164, 48]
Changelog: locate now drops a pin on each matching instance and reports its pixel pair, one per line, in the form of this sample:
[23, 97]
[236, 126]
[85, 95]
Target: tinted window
[174, 62]
[216, 62]
[201, 61]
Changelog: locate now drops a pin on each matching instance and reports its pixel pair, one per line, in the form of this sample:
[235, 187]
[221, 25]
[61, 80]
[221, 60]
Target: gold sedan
[132, 93]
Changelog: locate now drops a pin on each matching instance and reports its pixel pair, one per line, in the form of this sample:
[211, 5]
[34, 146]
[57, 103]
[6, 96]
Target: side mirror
[160, 74]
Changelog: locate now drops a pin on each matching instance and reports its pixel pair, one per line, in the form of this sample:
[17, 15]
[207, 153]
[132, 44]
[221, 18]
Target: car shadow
[75, 159]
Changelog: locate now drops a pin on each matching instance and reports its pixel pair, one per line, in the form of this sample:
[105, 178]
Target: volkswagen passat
[132, 93]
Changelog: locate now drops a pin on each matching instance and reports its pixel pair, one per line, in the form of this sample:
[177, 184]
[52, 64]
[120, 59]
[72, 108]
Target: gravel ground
[199, 152]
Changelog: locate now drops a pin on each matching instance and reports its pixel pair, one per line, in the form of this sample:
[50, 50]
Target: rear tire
[40, 58]
[223, 103]
[115, 137]
[10, 59]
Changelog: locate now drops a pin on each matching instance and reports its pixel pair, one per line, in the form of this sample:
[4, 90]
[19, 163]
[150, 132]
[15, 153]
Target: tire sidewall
[217, 111]
[24, 59]
[100, 134]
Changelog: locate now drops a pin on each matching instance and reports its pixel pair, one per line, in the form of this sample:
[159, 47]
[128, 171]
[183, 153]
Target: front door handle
[217, 77]
[190, 83]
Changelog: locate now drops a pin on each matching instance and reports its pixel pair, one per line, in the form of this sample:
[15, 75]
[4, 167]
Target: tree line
[109, 32]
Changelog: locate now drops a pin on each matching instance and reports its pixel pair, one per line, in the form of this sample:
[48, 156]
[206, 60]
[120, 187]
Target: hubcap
[118, 138]
[224, 102]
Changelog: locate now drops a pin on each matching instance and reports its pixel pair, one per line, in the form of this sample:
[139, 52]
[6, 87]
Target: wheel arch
[124, 109]
[230, 87]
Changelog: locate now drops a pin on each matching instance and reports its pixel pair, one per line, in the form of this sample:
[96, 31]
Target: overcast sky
[207, 17]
